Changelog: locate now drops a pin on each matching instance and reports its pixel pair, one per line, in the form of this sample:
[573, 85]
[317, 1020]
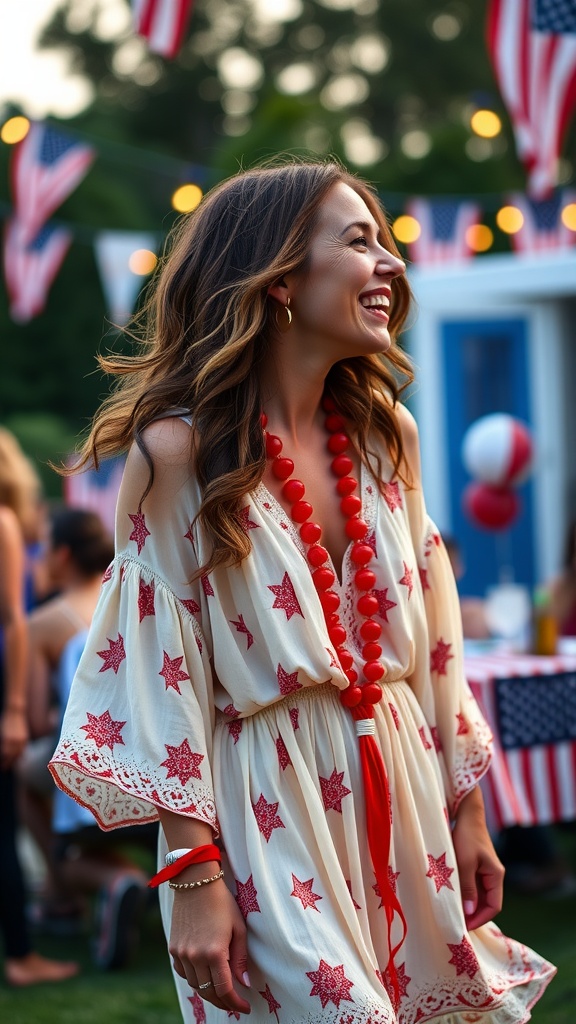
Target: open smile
[377, 304]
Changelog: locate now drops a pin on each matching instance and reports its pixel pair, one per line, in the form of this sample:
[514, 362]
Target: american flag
[532, 44]
[163, 23]
[530, 705]
[30, 267]
[443, 223]
[543, 228]
[46, 167]
[96, 489]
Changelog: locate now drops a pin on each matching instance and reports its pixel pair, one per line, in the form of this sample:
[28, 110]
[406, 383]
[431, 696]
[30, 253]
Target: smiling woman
[275, 661]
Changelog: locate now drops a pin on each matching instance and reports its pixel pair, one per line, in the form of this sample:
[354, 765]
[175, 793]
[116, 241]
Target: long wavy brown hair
[206, 325]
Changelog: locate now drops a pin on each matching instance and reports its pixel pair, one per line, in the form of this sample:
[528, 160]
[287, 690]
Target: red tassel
[200, 855]
[378, 827]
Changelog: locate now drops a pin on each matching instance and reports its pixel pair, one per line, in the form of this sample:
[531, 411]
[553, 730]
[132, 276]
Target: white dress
[219, 700]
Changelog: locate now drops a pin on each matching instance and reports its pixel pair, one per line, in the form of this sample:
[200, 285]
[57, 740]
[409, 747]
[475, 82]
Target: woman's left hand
[13, 736]
[481, 873]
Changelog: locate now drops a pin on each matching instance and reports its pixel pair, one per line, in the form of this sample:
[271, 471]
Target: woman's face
[341, 300]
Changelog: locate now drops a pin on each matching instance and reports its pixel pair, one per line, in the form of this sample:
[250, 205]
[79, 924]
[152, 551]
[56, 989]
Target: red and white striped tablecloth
[525, 785]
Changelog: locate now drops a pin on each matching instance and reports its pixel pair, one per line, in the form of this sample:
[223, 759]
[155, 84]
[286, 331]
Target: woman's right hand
[208, 943]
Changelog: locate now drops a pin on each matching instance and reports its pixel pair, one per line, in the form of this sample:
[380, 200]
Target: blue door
[486, 371]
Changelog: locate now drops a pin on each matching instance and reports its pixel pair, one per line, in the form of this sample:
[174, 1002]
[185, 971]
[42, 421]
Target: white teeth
[375, 300]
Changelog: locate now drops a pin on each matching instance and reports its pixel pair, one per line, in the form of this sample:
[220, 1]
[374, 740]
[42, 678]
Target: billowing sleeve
[137, 732]
[458, 730]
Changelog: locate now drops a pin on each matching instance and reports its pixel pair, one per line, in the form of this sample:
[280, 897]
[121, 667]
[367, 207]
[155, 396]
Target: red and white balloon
[497, 451]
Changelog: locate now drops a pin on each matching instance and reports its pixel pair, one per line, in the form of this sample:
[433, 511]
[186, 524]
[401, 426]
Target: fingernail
[246, 979]
[468, 906]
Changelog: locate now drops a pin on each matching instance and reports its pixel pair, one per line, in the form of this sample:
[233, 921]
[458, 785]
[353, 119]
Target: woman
[220, 689]
[18, 501]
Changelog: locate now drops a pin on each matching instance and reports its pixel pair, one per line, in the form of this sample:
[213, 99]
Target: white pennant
[120, 285]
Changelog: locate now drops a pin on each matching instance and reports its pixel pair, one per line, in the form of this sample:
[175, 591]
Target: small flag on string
[30, 267]
[543, 228]
[162, 23]
[532, 45]
[443, 227]
[46, 167]
[96, 489]
[120, 284]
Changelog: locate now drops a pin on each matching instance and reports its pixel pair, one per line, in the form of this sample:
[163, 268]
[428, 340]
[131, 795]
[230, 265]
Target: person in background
[562, 588]
[22, 966]
[472, 609]
[79, 859]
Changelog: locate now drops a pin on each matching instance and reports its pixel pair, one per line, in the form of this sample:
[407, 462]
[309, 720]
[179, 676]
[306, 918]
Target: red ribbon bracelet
[198, 856]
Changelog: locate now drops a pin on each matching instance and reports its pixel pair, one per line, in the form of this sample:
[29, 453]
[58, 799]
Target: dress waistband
[306, 693]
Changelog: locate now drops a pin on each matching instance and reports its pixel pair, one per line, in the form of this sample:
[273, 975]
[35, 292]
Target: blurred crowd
[51, 566]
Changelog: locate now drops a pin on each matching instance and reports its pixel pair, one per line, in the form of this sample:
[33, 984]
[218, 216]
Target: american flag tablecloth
[530, 705]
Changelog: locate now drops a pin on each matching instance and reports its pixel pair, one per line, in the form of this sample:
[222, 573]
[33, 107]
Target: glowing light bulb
[14, 130]
[186, 198]
[568, 216]
[142, 262]
[406, 228]
[509, 219]
[479, 237]
[486, 123]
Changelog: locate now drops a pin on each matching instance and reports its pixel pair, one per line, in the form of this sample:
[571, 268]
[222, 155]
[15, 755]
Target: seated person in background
[562, 588]
[79, 859]
[474, 624]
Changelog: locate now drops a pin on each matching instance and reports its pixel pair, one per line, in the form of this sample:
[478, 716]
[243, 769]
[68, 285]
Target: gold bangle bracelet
[193, 885]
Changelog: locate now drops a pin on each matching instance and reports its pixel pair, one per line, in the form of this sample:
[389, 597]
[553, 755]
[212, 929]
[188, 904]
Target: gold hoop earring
[288, 312]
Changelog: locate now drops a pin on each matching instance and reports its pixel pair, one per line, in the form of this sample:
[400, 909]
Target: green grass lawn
[144, 993]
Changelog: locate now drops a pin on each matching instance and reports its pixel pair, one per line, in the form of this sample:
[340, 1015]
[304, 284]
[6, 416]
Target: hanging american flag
[163, 23]
[532, 44]
[30, 267]
[96, 489]
[443, 226]
[46, 167]
[543, 228]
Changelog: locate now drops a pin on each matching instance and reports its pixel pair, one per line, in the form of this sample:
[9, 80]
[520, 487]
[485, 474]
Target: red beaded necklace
[360, 699]
[361, 555]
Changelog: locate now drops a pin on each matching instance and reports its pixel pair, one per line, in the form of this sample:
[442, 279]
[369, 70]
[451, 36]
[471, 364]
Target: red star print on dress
[114, 656]
[402, 979]
[440, 657]
[439, 872]
[463, 729]
[407, 579]
[198, 1009]
[140, 531]
[392, 496]
[333, 791]
[424, 579]
[246, 897]
[245, 522]
[436, 738]
[384, 605]
[392, 879]
[394, 714]
[285, 597]
[330, 984]
[425, 742]
[287, 681]
[172, 672]
[191, 606]
[463, 957]
[241, 627]
[273, 1004]
[267, 817]
[283, 755]
[303, 892]
[235, 728]
[145, 599]
[107, 574]
[207, 586]
[294, 716]
[103, 730]
[182, 763]
[354, 904]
